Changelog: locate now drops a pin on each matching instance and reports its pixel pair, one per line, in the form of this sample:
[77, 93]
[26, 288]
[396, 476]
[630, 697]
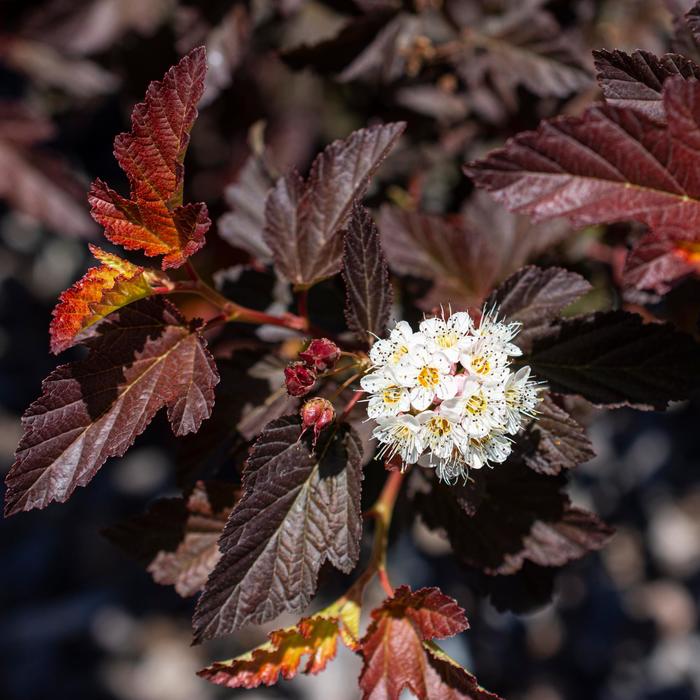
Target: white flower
[399, 435]
[479, 408]
[447, 336]
[491, 328]
[485, 360]
[387, 397]
[521, 399]
[446, 396]
[426, 374]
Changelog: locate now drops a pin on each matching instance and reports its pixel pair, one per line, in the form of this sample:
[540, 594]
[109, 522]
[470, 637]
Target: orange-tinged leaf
[399, 654]
[154, 219]
[282, 655]
[115, 283]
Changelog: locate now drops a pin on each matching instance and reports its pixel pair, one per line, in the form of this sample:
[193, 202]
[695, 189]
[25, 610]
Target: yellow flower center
[447, 340]
[481, 365]
[428, 377]
[391, 395]
[399, 353]
[439, 426]
[476, 404]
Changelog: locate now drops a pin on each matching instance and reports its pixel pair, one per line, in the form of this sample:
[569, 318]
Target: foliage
[356, 244]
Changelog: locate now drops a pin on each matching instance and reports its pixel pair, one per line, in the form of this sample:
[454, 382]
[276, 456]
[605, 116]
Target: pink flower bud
[321, 354]
[299, 379]
[317, 414]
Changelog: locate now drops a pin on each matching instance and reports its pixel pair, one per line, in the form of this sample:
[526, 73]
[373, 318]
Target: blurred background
[80, 620]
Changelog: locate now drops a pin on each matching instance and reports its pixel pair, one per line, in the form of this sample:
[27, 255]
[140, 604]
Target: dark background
[78, 619]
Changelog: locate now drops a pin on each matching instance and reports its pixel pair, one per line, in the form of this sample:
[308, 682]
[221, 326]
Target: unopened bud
[299, 379]
[321, 355]
[317, 414]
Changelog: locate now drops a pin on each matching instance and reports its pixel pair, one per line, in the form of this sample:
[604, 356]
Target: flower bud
[321, 354]
[299, 379]
[317, 414]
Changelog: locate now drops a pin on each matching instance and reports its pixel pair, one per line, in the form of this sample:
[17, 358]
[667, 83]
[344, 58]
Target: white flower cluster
[447, 392]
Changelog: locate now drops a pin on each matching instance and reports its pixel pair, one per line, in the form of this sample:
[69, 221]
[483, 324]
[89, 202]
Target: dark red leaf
[154, 219]
[515, 516]
[298, 509]
[144, 357]
[398, 653]
[612, 358]
[535, 296]
[559, 441]
[304, 220]
[465, 256]
[177, 537]
[636, 80]
[656, 263]
[368, 293]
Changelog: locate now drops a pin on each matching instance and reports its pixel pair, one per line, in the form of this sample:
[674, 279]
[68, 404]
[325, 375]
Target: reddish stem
[303, 304]
[351, 404]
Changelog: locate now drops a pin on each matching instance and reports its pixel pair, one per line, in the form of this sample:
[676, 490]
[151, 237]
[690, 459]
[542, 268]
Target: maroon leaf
[304, 220]
[612, 358]
[177, 537]
[535, 296]
[516, 516]
[560, 442]
[465, 255]
[298, 509]
[610, 165]
[369, 294]
[398, 653]
[636, 80]
[144, 357]
[656, 263]
[154, 219]
[527, 48]
[243, 226]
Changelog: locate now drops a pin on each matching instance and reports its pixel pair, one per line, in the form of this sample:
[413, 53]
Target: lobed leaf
[368, 292]
[298, 509]
[315, 637]
[154, 219]
[465, 256]
[635, 81]
[559, 441]
[144, 356]
[613, 358]
[516, 515]
[102, 290]
[398, 653]
[612, 164]
[656, 263]
[304, 220]
[535, 296]
[177, 537]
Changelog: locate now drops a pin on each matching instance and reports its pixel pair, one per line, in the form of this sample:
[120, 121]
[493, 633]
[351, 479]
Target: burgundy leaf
[298, 509]
[177, 537]
[656, 263]
[144, 357]
[304, 220]
[154, 219]
[612, 358]
[560, 442]
[535, 296]
[243, 226]
[464, 255]
[612, 164]
[398, 653]
[636, 80]
[369, 294]
[519, 516]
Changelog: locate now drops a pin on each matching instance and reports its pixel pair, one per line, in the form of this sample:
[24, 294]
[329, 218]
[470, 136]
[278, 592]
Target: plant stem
[353, 401]
[382, 512]
[303, 305]
[232, 311]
